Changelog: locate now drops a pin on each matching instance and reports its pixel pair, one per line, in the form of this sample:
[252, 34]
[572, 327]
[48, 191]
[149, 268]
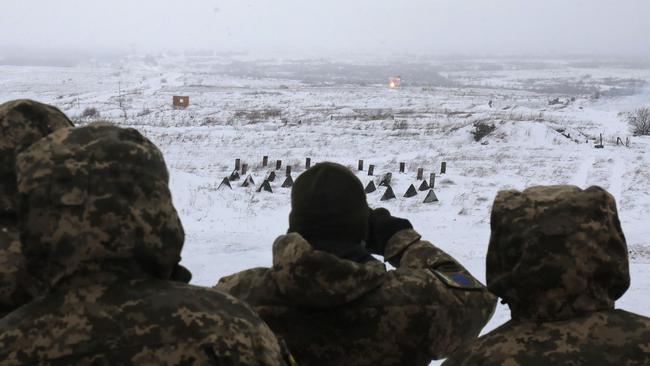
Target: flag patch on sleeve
[458, 280]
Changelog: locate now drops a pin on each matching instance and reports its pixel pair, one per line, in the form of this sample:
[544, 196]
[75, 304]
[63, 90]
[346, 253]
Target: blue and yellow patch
[458, 280]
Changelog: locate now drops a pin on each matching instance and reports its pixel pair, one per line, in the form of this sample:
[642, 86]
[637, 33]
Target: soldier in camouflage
[22, 122]
[558, 258]
[335, 304]
[98, 227]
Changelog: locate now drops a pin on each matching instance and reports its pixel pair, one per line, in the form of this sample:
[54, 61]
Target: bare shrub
[90, 112]
[639, 121]
[482, 129]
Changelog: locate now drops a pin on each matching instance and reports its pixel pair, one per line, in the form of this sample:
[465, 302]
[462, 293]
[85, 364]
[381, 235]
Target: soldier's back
[607, 338]
[337, 312]
[136, 322]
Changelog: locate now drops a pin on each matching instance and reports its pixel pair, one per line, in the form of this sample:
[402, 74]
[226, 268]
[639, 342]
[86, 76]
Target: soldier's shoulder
[255, 285]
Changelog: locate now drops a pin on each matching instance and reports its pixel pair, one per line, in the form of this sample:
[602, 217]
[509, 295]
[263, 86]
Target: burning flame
[394, 82]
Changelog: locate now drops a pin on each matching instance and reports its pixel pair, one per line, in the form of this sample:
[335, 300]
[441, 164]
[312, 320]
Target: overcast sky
[545, 27]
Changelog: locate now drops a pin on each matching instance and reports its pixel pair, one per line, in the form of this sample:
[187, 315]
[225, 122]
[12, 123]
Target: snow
[281, 114]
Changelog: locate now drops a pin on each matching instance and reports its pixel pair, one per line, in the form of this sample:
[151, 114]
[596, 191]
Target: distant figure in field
[99, 229]
[558, 258]
[22, 122]
[335, 304]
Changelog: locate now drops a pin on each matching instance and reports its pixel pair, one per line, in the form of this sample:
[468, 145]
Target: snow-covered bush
[639, 121]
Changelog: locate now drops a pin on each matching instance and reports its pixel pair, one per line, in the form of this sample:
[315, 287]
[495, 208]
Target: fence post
[278, 164]
[402, 166]
[360, 167]
[420, 173]
[371, 169]
[443, 167]
[265, 160]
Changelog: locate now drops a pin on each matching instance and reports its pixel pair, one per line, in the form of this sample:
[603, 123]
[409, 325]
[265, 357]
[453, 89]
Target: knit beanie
[328, 203]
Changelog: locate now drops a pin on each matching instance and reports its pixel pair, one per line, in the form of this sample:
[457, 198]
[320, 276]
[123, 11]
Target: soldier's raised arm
[463, 303]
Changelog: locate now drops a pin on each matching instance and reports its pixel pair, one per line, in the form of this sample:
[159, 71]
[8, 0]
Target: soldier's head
[556, 251]
[22, 122]
[328, 203]
[94, 196]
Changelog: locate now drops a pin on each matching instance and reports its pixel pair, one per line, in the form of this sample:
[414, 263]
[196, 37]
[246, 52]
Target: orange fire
[394, 82]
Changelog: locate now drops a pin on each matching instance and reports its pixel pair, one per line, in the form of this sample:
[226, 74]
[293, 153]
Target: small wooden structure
[180, 101]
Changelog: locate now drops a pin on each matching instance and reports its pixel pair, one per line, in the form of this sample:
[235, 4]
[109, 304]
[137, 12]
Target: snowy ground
[344, 112]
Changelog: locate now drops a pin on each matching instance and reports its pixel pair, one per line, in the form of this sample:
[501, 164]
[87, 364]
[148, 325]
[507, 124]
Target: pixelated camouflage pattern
[556, 251]
[605, 338]
[97, 319]
[97, 218]
[12, 275]
[333, 311]
[96, 193]
[558, 258]
[22, 122]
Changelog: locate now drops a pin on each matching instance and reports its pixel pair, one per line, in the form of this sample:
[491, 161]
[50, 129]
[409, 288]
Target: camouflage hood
[313, 278]
[22, 122]
[94, 196]
[556, 252]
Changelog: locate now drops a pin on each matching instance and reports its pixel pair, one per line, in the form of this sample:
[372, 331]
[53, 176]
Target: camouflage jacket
[22, 122]
[558, 258]
[104, 320]
[98, 229]
[611, 337]
[13, 278]
[332, 311]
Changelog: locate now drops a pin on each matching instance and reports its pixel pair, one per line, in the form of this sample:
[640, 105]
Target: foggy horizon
[336, 28]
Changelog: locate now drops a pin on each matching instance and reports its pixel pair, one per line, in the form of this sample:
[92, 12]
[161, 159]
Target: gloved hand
[381, 227]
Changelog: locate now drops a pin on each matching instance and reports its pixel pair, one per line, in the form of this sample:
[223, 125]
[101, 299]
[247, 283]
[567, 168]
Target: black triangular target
[370, 187]
[248, 181]
[234, 176]
[224, 183]
[388, 195]
[288, 182]
[271, 177]
[431, 197]
[424, 186]
[266, 186]
[411, 191]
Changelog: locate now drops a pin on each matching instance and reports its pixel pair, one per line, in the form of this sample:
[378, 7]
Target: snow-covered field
[344, 112]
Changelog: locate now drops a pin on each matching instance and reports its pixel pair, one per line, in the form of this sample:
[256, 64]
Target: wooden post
[402, 166]
[307, 163]
[237, 164]
[443, 167]
[265, 160]
[278, 164]
[420, 173]
[288, 168]
[244, 169]
[371, 169]
[360, 167]
[432, 180]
